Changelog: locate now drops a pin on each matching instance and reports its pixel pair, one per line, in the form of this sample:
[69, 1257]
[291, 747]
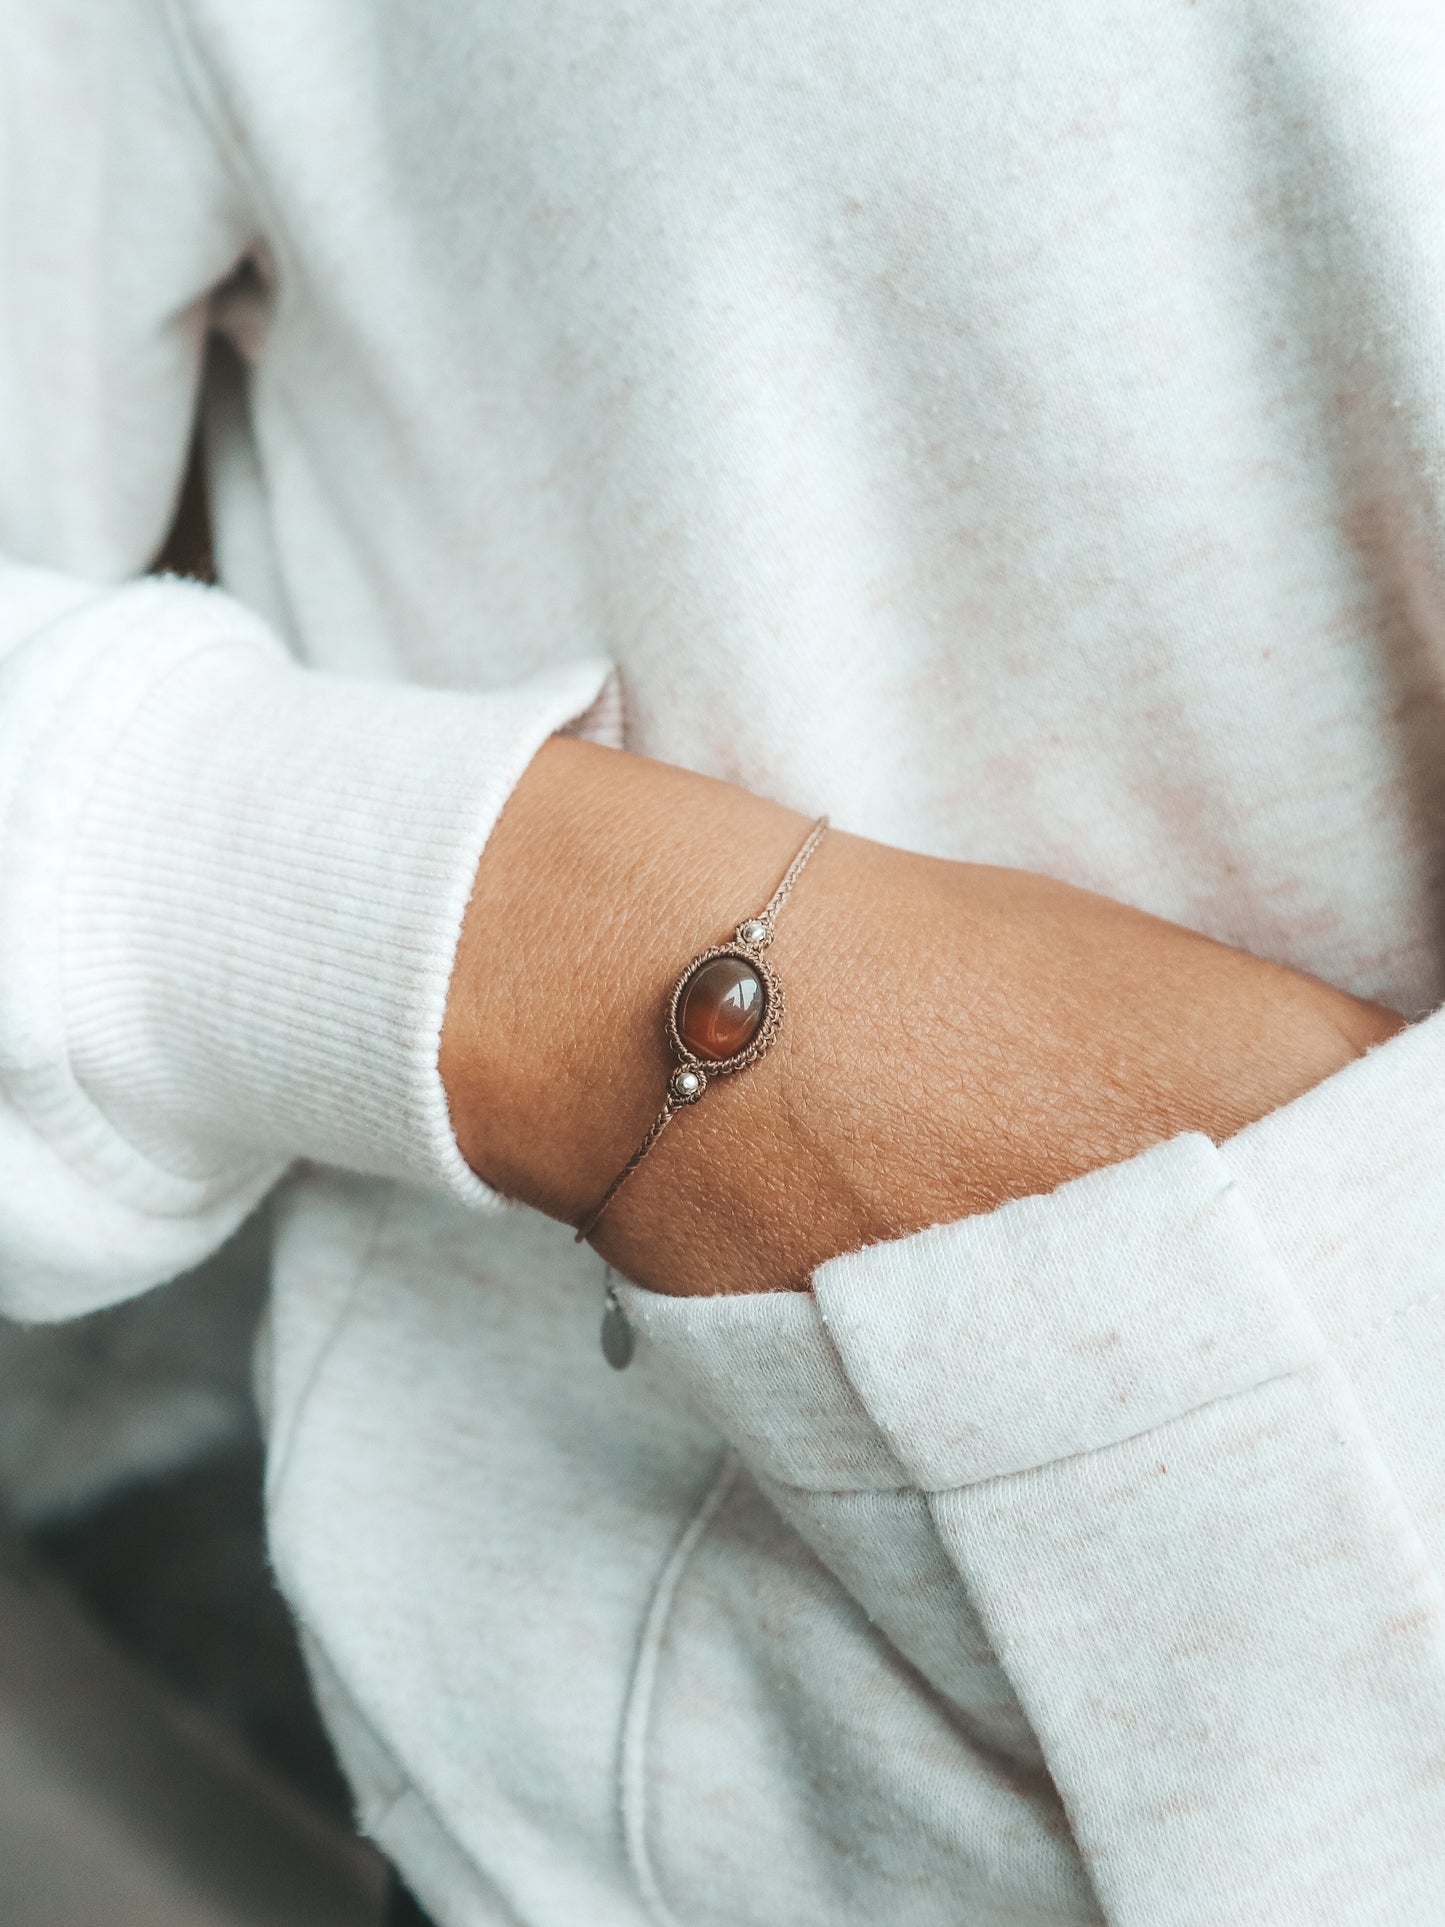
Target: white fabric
[1019, 432]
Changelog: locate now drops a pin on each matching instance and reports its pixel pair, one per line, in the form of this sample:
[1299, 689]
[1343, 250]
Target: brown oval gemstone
[720, 1008]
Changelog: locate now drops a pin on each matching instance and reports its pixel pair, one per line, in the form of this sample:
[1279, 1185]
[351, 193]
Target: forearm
[956, 1035]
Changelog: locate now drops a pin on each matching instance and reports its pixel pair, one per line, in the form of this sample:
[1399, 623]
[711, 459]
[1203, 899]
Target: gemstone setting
[723, 1014]
[721, 1008]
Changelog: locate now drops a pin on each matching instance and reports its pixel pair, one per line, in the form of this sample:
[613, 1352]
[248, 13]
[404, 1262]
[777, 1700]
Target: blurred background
[161, 1759]
[130, 1468]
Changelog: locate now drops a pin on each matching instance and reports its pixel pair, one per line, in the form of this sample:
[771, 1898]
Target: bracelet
[723, 1014]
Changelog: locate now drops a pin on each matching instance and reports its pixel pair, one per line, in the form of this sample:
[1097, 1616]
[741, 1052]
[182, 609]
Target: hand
[956, 1035]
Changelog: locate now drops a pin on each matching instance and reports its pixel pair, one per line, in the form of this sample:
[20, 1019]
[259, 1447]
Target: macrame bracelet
[723, 1014]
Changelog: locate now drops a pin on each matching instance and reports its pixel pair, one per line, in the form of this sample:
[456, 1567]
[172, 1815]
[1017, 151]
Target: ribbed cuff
[262, 906]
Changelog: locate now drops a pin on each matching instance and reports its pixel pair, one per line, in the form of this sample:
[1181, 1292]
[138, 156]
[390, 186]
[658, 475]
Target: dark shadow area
[175, 1571]
[131, 1469]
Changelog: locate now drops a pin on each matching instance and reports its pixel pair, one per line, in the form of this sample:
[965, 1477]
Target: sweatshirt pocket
[784, 1762]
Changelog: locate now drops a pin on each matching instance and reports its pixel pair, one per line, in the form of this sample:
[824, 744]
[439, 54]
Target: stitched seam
[1354, 1333]
[1352, 1336]
[995, 1637]
[637, 1718]
[282, 1449]
[842, 1363]
[1060, 1458]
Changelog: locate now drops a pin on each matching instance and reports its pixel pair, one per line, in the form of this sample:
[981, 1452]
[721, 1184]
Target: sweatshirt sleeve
[1176, 1433]
[230, 887]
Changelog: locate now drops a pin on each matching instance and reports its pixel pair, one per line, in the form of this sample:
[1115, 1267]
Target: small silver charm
[619, 1340]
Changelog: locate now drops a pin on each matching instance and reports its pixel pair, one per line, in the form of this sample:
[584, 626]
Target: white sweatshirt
[1019, 431]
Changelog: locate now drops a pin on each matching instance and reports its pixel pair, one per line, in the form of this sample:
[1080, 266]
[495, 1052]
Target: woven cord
[766, 917]
[659, 1124]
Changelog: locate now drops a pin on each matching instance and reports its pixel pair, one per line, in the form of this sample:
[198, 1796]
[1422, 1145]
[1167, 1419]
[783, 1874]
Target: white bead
[687, 1081]
[753, 931]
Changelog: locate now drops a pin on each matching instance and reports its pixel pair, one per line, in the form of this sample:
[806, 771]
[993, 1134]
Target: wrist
[604, 873]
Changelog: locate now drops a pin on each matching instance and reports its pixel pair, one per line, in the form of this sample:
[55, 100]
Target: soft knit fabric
[1018, 432]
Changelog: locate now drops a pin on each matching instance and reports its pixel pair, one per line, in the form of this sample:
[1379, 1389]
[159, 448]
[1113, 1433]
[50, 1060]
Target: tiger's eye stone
[720, 1008]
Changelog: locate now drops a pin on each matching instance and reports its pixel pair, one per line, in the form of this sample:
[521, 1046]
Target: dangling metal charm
[619, 1340]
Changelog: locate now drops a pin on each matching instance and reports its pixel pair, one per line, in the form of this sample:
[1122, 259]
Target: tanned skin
[956, 1035]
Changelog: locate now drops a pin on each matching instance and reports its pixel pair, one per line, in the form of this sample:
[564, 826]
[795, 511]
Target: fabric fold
[1052, 1326]
[1154, 1459]
[232, 889]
